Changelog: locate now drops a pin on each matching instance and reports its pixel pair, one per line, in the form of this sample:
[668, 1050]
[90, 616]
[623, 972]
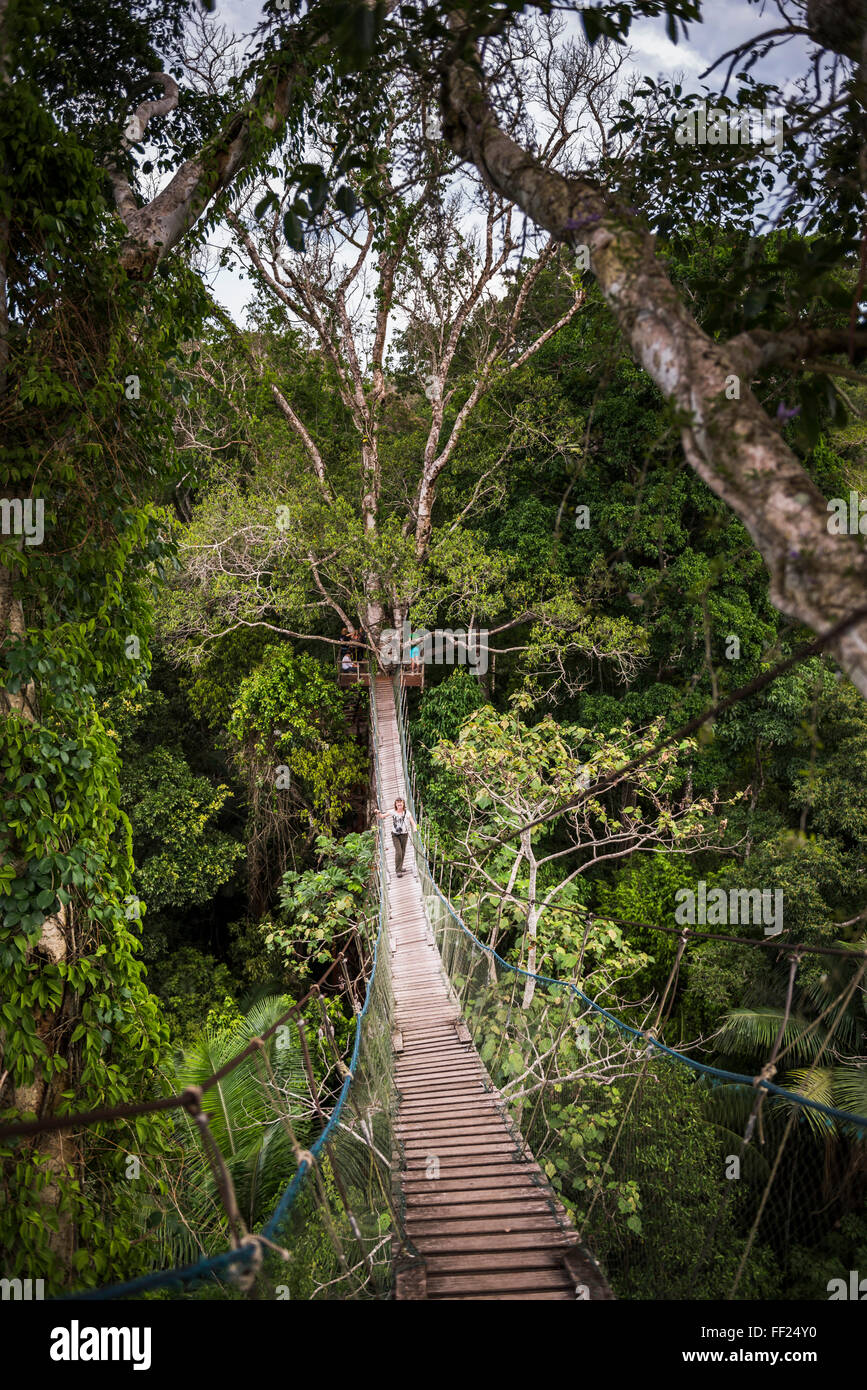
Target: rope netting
[683, 1179]
[336, 1218]
[340, 1229]
[306, 1100]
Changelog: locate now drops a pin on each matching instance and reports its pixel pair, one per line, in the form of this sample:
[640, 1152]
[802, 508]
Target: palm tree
[820, 1175]
[824, 1043]
[244, 1115]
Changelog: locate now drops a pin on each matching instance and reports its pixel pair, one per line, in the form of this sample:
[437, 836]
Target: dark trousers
[399, 842]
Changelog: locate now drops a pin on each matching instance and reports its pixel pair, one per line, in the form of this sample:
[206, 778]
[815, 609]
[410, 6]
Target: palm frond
[245, 1121]
[850, 1089]
[752, 1032]
[814, 1083]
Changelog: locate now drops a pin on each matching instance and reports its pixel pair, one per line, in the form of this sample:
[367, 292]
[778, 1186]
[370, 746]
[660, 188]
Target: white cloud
[652, 49]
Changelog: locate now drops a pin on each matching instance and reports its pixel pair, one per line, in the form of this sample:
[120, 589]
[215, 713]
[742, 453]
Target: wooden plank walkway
[479, 1212]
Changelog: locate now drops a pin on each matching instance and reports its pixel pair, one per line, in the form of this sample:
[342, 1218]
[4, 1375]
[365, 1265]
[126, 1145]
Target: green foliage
[290, 712]
[442, 711]
[690, 1241]
[181, 857]
[187, 1218]
[213, 687]
[645, 891]
[321, 906]
[80, 1028]
[191, 985]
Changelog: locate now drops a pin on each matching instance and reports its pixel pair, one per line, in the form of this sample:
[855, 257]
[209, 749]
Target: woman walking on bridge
[401, 823]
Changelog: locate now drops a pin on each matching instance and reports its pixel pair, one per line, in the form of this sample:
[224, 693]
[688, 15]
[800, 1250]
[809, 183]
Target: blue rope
[210, 1265]
[292, 1190]
[637, 1033]
[205, 1268]
[702, 1067]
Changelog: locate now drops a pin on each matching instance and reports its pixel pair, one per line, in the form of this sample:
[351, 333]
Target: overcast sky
[726, 23]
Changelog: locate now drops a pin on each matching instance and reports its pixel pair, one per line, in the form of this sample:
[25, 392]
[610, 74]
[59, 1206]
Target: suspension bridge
[482, 1218]
[425, 1181]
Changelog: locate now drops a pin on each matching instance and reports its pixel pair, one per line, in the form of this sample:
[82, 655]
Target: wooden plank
[446, 1102]
[420, 1065]
[430, 1042]
[514, 1296]
[410, 1279]
[442, 1072]
[431, 1055]
[458, 1149]
[521, 1195]
[422, 1227]
[443, 1100]
[521, 1261]
[437, 1089]
[454, 1171]
[481, 1108]
[585, 1275]
[480, 1129]
[538, 1279]
[495, 1166]
[406, 1079]
[505, 1211]
[415, 1108]
[492, 1241]
[443, 1075]
[478, 1136]
[454, 1189]
[450, 1127]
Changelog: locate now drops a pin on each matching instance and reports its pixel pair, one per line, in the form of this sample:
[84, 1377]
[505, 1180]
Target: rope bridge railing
[330, 1232]
[685, 1180]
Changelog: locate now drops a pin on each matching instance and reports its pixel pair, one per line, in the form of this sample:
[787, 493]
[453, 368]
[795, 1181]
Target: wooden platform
[346, 679]
[481, 1218]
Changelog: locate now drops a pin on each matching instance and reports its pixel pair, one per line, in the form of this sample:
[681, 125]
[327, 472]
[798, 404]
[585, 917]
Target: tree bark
[158, 226]
[732, 444]
[532, 919]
